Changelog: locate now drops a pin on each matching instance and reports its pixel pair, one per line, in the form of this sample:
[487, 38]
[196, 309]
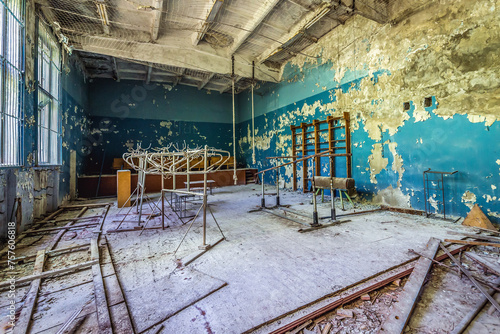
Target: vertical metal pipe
[263, 199]
[277, 187]
[205, 175]
[425, 196]
[253, 116]
[175, 173]
[188, 176]
[235, 177]
[162, 209]
[315, 206]
[332, 200]
[442, 187]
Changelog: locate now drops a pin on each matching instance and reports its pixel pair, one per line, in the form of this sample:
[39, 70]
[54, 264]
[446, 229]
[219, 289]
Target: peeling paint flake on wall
[377, 162]
[469, 198]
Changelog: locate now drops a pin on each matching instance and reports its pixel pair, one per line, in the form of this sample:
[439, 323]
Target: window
[49, 109]
[11, 81]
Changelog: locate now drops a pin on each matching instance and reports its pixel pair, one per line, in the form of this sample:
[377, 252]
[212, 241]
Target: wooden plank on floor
[491, 266]
[473, 243]
[103, 219]
[23, 235]
[80, 206]
[469, 317]
[46, 274]
[67, 227]
[397, 320]
[119, 311]
[23, 323]
[100, 295]
[55, 252]
[58, 236]
[349, 293]
[476, 236]
[471, 278]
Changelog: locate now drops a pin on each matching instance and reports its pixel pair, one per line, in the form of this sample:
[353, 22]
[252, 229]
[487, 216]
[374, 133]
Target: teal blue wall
[127, 113]
[448, 143]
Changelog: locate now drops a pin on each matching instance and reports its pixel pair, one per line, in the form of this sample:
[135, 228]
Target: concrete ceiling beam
[178, 77]
[148, 76]
[205, 25]
[116, 73]
[301, 5]
[156, 20]
[264, 11]
[227, 87]
[206, 81]
[172, 55]
[307, 21]
[373, 10]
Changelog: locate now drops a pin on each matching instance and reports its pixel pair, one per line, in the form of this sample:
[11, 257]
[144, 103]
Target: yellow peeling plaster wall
[448, 52]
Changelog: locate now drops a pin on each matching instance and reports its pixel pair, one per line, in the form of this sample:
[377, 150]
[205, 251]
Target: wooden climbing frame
[307, 140]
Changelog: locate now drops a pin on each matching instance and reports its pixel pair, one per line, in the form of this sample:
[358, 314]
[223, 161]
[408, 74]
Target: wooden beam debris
[36, 225]
[351, 293]
[55, 240]
[51, 273]
[469, 275]
[397, 320]
[491, 266]
[476, 236]
[103, 317]
[469, 317]
[473, 243]
[23, 323]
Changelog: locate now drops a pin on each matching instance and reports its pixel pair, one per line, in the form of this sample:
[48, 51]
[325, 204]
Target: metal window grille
[49, 108]
[11, 81]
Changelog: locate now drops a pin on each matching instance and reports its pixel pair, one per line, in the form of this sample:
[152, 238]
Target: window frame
[45, 153]
[9, 72]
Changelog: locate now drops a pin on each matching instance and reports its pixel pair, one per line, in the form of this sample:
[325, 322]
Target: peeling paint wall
[422, 93]
[127, 113]
[42, 189]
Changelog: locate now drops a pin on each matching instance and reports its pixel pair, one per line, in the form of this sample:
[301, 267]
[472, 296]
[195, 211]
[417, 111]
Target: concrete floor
[263, 270]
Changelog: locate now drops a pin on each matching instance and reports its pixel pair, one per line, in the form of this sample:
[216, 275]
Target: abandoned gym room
[249, 166]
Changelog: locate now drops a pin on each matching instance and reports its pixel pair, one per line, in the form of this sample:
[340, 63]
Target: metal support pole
[341, 200]
[188, 176]
[315, 206]
[205, 176]
[253, 115]
[162, 209]
[277, 188]
[263, 199]
[173, 176]
[425, 195]
[442, 188]
[235, 177]
[332, 199]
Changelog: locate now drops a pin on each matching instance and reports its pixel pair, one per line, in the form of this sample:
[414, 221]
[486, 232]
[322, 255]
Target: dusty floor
[263, 270]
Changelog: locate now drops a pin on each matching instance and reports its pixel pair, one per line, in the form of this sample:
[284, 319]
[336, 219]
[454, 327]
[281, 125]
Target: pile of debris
[388, 302]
